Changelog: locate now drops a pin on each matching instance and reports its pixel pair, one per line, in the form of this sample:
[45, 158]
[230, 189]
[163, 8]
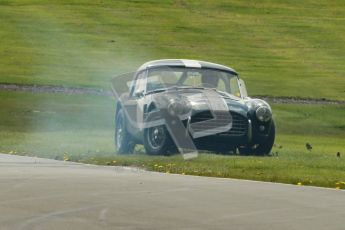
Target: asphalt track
[47, 194]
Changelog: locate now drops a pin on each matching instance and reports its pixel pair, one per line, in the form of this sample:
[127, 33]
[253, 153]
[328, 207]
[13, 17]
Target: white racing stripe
[191, 63]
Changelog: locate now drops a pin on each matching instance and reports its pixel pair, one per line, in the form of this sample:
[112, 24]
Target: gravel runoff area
[108, 93]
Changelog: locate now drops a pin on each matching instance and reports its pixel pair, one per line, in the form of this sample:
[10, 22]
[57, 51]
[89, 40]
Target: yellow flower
[11, 152]
[183, 173]
[160, 166]
[114, 162]
[156, 165]
[65, 157]
[299, 183]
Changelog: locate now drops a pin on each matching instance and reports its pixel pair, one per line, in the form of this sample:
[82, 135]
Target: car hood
[205, 99]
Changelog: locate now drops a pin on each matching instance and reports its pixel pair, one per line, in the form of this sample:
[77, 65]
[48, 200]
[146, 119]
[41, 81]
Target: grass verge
[301, 168]
[80, 128]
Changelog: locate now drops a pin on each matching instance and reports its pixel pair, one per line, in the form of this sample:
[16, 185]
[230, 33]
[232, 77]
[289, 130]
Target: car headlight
[253, 104]
[263, 113]
[178, 107]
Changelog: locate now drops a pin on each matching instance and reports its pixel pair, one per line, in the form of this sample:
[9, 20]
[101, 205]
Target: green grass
[281, 48]
[315, 169]
[80, 128]
[290, 162]
[310, 120]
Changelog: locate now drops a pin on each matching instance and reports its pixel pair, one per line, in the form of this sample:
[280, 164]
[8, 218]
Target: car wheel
[266, 147]
[123, 140]
[157, 141]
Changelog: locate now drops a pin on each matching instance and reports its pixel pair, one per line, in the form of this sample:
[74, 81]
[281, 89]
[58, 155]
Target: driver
[210, 79]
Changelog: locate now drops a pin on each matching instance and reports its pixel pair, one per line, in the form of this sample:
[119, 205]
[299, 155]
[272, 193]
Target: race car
[177, 104]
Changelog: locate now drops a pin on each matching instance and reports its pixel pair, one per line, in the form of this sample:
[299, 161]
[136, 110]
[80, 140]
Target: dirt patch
[298, 100]
[54, 89]
[108, 93]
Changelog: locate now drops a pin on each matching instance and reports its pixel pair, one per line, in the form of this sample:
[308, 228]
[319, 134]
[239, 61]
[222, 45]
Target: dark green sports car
[186, 105]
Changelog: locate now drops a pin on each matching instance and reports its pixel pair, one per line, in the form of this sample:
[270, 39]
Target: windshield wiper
[189, 87]
[223, 94]
[173, 88]
[156, 91]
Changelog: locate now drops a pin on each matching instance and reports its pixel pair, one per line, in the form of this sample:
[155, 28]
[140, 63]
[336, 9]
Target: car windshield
[165, 77]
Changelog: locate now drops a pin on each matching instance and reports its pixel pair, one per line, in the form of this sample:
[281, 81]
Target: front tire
[262, 148]
[157, 141]
[123, 140]
[266, 147]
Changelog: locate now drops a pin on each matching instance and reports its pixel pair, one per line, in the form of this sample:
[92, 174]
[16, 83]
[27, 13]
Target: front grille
[202, 116]
[239, 123]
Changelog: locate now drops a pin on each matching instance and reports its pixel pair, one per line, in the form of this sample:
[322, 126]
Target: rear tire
[123, 140]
